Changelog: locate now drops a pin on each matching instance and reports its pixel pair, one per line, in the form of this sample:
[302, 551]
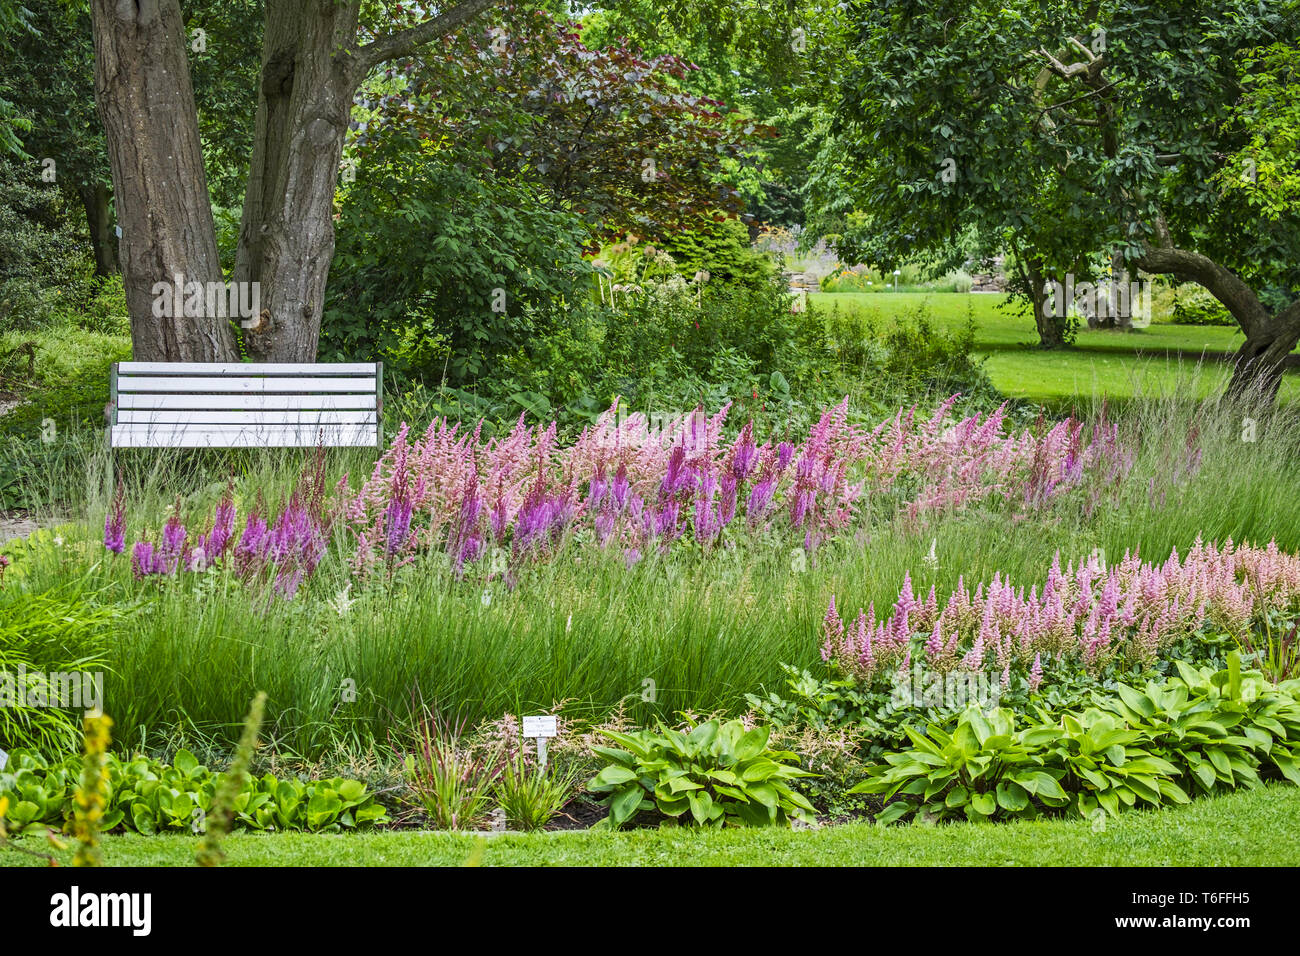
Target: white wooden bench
[245, 405]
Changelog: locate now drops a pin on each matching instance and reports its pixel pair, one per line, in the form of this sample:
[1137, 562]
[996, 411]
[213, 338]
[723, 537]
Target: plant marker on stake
[540, 728]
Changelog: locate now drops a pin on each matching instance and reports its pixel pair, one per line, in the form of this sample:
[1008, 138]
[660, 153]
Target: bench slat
[234, 436]
[143, 383]
[245, 405]
[250, 402]
[258, 419]
[241, 369]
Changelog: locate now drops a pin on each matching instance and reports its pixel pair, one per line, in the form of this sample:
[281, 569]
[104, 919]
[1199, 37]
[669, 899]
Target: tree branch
[392, 45]
[1220, 282]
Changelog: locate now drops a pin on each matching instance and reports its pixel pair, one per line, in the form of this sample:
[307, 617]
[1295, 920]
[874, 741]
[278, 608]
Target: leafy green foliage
[531, 795]
[610, 135]
[980, 771]
[438, 270]
[723, 251]
[146, 796]
[42, 635]
[717, 774]
[1115, 117]
[812, 702]
[1219, 727]
[40, 271]
[1202, 731]
[1194, 306]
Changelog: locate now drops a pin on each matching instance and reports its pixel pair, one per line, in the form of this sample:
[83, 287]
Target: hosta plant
[1220, 727]
[714, 774]
[1103, 763]
[980, 771]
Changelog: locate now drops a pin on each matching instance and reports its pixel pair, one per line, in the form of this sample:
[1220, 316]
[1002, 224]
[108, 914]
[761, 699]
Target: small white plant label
[539, 726]
[4, 759]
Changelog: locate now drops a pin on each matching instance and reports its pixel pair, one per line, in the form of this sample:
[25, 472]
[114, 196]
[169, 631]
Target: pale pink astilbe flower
[832, 631]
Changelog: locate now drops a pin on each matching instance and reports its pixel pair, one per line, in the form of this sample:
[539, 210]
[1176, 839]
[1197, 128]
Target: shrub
[1195, 305]
[719, 773]
[41, 263]
[723, 251]
[439, 270]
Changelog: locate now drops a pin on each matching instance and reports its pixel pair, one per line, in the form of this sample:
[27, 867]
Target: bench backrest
[245, 405]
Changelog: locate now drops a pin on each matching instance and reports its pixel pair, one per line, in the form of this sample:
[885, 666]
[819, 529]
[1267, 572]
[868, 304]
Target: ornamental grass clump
[452, 783]
[531, 795]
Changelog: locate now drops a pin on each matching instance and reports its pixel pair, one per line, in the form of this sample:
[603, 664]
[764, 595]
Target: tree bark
[1118, 309]
[311, 68]
[1051, 334]
[146, 103]
[286, 238]
[103, 241]
[1258, 365]
[1051, 330]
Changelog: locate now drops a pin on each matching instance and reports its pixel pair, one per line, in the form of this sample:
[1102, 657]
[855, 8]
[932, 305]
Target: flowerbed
[1095, 615]
[499, 504]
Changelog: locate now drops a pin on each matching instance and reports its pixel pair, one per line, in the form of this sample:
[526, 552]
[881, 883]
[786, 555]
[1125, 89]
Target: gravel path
[15, 524]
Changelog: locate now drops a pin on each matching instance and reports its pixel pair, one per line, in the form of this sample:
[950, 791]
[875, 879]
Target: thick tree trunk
[1270, 338]
[311, 68]
[1118, 308]
[286, 238]
[146, 103]
[1258, 364]
[103, 241]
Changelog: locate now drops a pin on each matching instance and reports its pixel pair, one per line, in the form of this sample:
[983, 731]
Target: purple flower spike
[398, 519]
[142, 561]
[115, 526]
[173, 543]
[223, 528]
[620, 486]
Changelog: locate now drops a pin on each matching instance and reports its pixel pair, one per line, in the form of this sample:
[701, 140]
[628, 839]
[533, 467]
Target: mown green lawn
[1255, 828]
[1159, 360]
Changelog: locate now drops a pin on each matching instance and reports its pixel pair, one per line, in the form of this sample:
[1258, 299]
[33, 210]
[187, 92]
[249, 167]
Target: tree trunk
[102, 238]
[1051, 330]
[311, 67]
[1270, 338]
[286, 236]
[1119, 310]
[146, 103]
[1258, 364]
[1051, 333]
